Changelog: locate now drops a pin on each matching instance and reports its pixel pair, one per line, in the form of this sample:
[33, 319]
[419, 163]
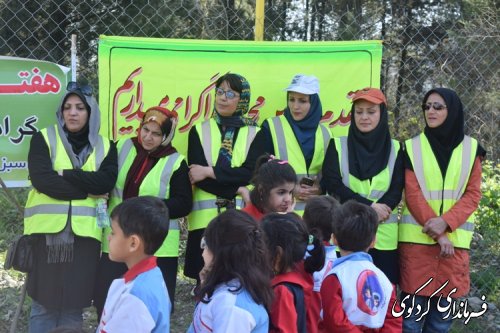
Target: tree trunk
[407, 19]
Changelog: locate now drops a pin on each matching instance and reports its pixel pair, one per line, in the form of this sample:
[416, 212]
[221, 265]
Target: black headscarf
[369, 152]
[446, 137]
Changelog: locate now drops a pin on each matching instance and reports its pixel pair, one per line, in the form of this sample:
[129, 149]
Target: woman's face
[299, 105]
[224, 105]
[75, 114]
[280, 198]
[366, 115]
[434, 117]
[151, 136]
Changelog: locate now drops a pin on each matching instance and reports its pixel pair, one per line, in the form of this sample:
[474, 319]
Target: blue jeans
[43, 320]
[432, 322]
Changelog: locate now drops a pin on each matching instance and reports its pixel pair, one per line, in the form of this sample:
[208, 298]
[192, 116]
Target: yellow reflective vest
[156, 183]
[204, 207]
[441, 194]
[286, 147]
[374, 189]
[46, 215]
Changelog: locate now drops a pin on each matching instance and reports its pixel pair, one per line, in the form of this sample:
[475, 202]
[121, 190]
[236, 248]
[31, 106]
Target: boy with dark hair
[343, 292]
[139, 301]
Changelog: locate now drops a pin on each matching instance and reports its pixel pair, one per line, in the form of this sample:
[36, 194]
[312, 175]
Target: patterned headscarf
[238, 119]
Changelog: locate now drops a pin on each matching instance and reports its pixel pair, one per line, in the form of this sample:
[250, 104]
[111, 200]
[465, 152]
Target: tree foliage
[427, 43]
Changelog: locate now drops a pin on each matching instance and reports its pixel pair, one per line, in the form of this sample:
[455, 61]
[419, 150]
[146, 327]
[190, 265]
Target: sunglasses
[436, 106]
[229, 94]
[203, 244]
[85, 89]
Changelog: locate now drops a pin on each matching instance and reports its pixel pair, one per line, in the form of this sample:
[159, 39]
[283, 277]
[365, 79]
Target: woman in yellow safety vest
[70, 167]
[149, 165]
[442, 191]
[367, 166]
[221, 161]
[298, 137]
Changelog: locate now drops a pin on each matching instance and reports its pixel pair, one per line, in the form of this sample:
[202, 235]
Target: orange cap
[373, 95]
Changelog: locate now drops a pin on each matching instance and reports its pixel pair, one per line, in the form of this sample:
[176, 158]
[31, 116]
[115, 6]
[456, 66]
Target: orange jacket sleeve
[335, 319]
[415, 200]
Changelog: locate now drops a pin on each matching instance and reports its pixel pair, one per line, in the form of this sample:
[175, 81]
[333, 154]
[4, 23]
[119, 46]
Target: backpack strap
[299, 302]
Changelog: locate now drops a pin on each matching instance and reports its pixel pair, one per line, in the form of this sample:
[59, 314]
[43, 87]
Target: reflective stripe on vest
[52, 140]
[373, 190]
[44, 214]
[209, 140]
[209, 204]
[155, 183]
[286, 147]
[204, 208]
[168, 170]
[408, 219]
[441, 194]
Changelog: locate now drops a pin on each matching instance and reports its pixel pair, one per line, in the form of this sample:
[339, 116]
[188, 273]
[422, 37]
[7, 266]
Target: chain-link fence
[426, 43]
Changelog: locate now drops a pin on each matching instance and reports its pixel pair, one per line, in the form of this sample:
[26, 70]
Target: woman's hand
[447, 249]
[245, 194]
[198, 173]
[383, 211]
[99, 196]
[435, 227]
[304, 192]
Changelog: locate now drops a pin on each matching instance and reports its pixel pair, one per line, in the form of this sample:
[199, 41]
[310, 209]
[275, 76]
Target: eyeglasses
[436, 106]
[229, 94]
[203, 244]
[85, 89]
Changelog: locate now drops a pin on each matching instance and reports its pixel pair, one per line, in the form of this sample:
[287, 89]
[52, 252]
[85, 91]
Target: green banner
[30, 91]
[138, 73]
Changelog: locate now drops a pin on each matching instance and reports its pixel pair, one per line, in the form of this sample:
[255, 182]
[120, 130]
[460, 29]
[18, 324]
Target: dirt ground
[10, 290]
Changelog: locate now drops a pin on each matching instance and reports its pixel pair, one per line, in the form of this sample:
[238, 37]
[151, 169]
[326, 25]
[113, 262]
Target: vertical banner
[30, 91]
[138, 73]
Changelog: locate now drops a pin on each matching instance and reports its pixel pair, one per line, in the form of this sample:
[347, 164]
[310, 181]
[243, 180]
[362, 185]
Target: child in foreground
[274, 181]
[235, 289]
[293, 308]
[139, 301]
[357, 296]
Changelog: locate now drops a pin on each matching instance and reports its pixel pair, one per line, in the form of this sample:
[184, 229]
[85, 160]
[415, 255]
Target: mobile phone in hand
[307, 181]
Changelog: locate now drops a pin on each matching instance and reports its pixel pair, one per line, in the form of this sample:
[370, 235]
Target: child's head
[287, 239]
[234, 247]
[138, 223]
[355, 226]
[274, 182]
[318, 215]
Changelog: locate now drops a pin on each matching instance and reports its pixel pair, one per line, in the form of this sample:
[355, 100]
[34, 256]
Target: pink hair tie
[273, 158]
